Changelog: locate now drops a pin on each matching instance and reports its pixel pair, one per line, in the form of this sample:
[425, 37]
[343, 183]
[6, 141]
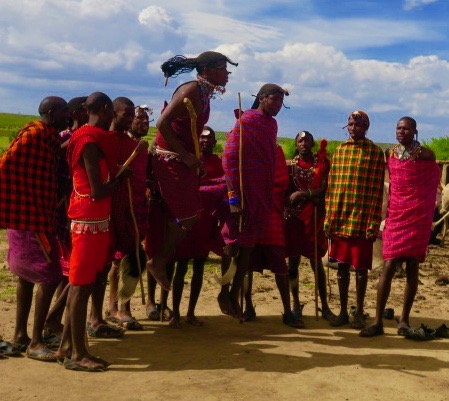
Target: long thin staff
[142, 145]
[241, 163]
[315, 223]
[193, 117]
[136, 228]
[242, 202]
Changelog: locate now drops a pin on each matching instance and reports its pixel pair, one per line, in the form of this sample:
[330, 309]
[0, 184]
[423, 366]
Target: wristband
[234, 201]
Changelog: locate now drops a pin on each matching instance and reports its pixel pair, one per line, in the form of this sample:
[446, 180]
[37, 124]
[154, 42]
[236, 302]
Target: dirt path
[261, 360]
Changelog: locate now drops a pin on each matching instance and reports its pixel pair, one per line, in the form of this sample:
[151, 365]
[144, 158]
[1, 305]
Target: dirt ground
[263, 360]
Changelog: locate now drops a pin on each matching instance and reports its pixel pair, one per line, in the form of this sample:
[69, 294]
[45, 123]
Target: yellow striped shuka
[354, 193]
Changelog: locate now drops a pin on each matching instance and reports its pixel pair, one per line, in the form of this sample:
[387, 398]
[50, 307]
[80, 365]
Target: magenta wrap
[259, 144]
[411, 204]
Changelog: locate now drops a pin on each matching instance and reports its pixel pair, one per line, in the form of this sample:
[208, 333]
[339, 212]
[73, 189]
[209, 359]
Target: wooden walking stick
[242, 202]
[142, 145]
[193, 117]
[315, 224]
[137, 239]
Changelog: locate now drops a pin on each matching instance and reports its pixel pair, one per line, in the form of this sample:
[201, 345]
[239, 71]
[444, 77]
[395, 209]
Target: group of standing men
[272, 212]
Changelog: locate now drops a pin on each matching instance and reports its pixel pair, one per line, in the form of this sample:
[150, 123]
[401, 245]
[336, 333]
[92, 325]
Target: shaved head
[97, 101]
[51, 103]
[122, 102]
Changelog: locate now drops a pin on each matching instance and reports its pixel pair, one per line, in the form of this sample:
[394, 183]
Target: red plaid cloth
[411, 204]
[28, 184]
[274, 233]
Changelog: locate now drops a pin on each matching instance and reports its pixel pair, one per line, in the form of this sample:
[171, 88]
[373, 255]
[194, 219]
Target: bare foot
[194, 321]
[159, 273]
[86, 364]
[175, 322]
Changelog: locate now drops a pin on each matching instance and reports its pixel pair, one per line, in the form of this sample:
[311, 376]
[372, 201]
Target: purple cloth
[258, 154]
[27, 260]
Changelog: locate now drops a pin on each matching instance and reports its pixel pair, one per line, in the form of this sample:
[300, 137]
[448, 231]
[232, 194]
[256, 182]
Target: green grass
[10, 125]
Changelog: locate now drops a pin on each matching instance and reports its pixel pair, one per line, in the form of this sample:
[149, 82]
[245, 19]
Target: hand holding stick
[142, 145]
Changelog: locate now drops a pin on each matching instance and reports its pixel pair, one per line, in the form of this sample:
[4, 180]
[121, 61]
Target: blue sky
[389, 58]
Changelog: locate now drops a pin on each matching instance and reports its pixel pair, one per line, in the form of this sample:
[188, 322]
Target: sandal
[424, 333]
[90, 367]
[340, 320]
[372, 331]
[298, 310]
[358, 322]
[41, 354]
[130, 323]
[403, 329]
[53, 341]
[249, 314]
[8, 349]
[290, 319]
[104, 331]
[442, 331]
[328, 315]
[153, 314]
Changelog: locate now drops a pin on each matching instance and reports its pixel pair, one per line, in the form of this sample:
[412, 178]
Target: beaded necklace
[302, 173]
[403, 153]
[208, 88]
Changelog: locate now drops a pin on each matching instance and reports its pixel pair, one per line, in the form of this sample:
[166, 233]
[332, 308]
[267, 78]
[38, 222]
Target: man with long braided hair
[175, 166]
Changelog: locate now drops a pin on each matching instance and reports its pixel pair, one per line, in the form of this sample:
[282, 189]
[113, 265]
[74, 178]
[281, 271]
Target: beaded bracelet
[234, 201]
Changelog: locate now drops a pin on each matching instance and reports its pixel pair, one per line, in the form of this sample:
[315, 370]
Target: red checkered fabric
[28, 181]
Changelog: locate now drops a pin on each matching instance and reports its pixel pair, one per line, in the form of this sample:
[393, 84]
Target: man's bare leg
[24, 299]
[195, 289]
[343, 277]
[79, 296]
[293, 273]
[53, 323]
[224, 300]
[44, 295]
[113, 288]
[178, 288]
[411, 288]
[237, 284]
[174, 234]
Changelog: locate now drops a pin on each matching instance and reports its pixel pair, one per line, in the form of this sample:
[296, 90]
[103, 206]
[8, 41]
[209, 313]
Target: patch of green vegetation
[440, 146]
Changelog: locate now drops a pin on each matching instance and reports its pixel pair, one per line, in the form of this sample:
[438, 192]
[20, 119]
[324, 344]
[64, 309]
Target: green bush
[440, 146]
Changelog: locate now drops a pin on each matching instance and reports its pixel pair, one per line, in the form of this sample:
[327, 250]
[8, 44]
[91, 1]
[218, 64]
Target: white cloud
[156, 18]
[410, 4]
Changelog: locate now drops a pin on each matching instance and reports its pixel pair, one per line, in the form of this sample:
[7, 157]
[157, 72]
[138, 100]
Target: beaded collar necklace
[208, 88]
[303, 173]
[403, 153]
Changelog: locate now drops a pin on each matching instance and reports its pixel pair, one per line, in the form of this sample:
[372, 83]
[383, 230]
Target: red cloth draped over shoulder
[82, 206]
[182, 128]
[259, 143]
[28, 183]
[411, 205]
[121, 216]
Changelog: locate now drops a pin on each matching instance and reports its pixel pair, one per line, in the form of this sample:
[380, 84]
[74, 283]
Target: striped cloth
[354, 195]
[259, 143]
[28, 184]
[411, 204]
